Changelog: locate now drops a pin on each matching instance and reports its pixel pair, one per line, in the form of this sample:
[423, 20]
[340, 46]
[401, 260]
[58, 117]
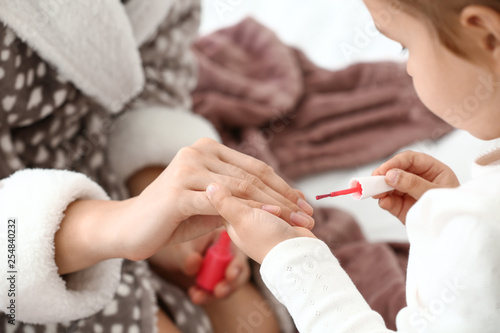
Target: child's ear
[482, 25]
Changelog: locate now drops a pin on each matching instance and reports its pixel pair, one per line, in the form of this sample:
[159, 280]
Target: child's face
[464, 94]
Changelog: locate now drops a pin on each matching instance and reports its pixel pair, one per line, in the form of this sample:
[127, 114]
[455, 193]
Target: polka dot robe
[46, 122]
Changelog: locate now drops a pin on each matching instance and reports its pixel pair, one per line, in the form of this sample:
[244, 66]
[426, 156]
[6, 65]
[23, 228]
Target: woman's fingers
[248, 181]
[246, 190]
[251, 166]
[248, 195]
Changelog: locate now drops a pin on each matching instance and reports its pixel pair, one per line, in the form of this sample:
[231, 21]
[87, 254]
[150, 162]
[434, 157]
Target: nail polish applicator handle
[362, 187]
[215, 262]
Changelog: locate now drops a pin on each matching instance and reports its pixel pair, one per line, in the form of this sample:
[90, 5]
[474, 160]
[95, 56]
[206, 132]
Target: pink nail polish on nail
[275, 210]
[304, 205]
[299, 220]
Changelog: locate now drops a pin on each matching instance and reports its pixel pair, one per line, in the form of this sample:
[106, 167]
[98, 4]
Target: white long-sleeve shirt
[453, 280]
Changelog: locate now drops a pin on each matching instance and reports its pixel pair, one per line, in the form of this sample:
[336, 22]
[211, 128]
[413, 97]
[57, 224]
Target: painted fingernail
[392, 176]
[275, 210]
[304, 206]
[211, 189]
[307, 216]
[299, 219]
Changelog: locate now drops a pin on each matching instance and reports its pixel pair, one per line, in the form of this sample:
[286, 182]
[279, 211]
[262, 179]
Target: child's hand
[174, 207]
[412, 174]
[254, 230]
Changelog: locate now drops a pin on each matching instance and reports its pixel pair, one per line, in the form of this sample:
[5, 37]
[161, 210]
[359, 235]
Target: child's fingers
[201, 202]
[397, 205]
[254, 231]
[229, 207]
[392, 204]
[409, 161]
[380, 196]
[408, 183]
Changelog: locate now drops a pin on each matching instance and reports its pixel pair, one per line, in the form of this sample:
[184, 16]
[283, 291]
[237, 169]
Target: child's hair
[443, 17]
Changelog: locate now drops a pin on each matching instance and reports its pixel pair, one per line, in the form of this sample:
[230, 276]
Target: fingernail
[307, 216]
[275, 210]
[211, 189]
[304, 206]
[225, 289]
[392, 176]
[299, 219]
[235, 272]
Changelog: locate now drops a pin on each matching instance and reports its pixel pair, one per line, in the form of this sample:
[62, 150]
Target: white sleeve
[304, 275]
[453, 272]
[153, 136]
[37, 199]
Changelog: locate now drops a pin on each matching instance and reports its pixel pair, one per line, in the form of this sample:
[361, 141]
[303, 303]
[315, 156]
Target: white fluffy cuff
[37, 199]
[152, 136]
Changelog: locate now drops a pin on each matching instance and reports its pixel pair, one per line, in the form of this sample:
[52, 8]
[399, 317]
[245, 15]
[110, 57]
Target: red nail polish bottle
[213, 266]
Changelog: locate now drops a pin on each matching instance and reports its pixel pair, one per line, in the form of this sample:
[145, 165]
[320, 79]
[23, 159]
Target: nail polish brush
[362, 187]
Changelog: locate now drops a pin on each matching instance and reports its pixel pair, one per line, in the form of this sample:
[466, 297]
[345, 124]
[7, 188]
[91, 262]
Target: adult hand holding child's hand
[255, 230]
[412, 174]
[175, 208]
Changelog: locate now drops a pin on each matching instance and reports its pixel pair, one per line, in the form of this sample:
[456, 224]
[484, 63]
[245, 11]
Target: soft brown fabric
[312, 119]
[269, 101]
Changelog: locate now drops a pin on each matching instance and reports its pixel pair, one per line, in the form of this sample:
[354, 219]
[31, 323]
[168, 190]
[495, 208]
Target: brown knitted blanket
[269, 101]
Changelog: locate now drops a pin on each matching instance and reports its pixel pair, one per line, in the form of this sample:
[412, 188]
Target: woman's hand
[254, 230]
[412, 174]
[174, 207]
[181, 263]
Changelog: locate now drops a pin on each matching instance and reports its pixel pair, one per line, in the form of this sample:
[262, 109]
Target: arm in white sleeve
[304, 275]
[152, 137]
[37, 199]
[453, 272]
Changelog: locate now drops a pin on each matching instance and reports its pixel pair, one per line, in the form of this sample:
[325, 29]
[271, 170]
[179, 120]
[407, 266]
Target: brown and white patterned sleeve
[36, 110]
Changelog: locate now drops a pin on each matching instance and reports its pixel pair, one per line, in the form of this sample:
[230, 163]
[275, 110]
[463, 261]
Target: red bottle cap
[213, 266]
